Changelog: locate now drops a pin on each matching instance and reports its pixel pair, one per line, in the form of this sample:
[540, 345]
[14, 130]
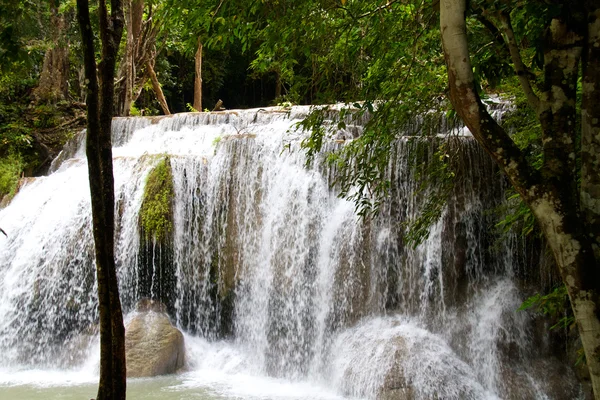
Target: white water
[283, 292]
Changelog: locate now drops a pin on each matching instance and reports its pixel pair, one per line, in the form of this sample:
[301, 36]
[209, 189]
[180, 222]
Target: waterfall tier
[268, 272]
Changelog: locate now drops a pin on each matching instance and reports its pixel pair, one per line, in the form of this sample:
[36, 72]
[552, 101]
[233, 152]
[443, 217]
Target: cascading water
[271, 276]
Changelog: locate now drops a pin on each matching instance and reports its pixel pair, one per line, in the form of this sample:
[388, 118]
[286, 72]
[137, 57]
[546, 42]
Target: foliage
[555, 305]
[522, 123]
[33, 132]
[20, 32]
[10, 171]
[15, 135]
[134, 111]
[516, 216]
[45, 116]
[436, 176]
[190, 107]
[28, 130]
[156, 210]
[382, 62]
[319, 52]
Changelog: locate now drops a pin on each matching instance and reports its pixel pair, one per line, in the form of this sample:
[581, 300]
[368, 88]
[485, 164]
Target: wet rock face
[395, 385]
[153, 346]
[396, 394]
[556, 379]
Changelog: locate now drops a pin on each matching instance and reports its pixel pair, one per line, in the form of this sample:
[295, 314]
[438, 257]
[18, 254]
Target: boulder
[372, 367]
[153, 346]
[395, 385]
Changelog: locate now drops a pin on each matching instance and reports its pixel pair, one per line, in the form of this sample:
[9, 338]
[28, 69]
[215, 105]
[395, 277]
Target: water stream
[282, 292]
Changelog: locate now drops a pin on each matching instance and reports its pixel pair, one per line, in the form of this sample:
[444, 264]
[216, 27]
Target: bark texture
[552, 194]
[198, 79]
[590, 135]
[590, 181]
[100, 110]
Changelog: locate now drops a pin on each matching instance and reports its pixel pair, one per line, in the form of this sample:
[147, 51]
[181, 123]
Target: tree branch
[381, 7]
[496, 34]
[218, 8]
[157, 89]
[520, 69]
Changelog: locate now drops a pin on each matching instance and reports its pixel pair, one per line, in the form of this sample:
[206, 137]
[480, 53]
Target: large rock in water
[153, 346]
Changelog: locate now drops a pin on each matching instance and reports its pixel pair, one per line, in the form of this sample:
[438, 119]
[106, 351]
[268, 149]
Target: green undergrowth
[556, 306]
[156, 211]
[10, 171]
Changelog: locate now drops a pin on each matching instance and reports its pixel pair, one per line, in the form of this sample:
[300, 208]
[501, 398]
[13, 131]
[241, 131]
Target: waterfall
[270, 274]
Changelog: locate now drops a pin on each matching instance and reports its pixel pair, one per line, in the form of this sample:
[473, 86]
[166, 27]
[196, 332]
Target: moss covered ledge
[156, 213]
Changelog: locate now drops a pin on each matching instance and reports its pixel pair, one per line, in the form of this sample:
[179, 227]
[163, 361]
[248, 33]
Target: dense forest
[394, 60]
[250, 55]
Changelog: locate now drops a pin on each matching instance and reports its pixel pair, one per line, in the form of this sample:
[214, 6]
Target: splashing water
[281, 290]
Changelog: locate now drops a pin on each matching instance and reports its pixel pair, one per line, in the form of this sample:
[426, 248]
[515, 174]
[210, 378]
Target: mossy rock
[156, 213]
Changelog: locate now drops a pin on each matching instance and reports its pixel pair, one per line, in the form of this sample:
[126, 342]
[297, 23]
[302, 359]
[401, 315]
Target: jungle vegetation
[393, 60]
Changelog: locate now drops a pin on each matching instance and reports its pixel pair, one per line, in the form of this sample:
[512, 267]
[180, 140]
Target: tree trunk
[158, 90]
[551, 194]
[126, 73]
[137, 16]
[53, 85]
[590, 132]
[590, 181]
[100, 110]
[198, 79]
[140, 50]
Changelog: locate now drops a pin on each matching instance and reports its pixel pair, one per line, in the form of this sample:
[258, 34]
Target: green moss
[156, 212]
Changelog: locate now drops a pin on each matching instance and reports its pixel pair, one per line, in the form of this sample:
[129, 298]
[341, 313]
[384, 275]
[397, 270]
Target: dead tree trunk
[100, 110]
[198, 79]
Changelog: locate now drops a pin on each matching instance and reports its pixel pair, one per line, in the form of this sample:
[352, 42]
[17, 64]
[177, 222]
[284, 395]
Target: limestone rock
[153, 345]
[395, 385]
